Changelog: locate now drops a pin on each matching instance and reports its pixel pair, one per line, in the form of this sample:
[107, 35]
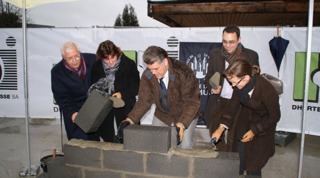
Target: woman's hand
[217, 134]
[247, 137]
[117, 95]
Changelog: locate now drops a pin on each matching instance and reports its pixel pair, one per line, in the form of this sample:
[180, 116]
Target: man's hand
[248, 136]
[117, 95]
[217, 91]
[123, 125]
[180, 131]
[73, 117]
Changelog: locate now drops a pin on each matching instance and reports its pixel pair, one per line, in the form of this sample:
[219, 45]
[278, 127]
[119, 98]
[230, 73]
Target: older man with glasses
[219, 59]
[70, 81]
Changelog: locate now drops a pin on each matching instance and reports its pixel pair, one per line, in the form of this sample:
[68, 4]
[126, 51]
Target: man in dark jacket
[70, 81]
[173, 87]
[219, 98]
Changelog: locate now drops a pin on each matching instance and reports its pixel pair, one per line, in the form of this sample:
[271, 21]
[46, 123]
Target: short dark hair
[232, 29]
[154, 54]
[107, 48]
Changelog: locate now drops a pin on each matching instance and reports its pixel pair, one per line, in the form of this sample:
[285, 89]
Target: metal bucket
[44, 160]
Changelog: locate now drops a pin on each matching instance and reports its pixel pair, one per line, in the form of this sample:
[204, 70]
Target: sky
[88, 13]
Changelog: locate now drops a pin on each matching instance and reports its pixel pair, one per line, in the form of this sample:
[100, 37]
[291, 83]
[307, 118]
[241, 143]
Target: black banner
[196, 55]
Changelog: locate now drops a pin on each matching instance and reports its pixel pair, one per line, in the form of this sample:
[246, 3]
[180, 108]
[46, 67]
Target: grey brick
[95, 159]
[123, 160]
[217, 167]
[173, 138]
[82, 156]
[142, 176]
[228, 155]
[101, 174]
[57, 169]
[93, 112]
[168, 165]
[147, 138]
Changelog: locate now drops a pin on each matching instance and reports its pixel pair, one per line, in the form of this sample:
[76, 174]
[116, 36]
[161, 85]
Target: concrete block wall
[88, 159]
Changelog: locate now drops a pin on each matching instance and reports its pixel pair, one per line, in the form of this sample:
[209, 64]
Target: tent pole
[26, 170]
[306, 87]
[26, 84]
[29, 170]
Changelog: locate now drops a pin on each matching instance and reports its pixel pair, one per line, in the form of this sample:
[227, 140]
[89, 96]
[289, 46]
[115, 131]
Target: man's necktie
[163, 96]
[163, 87]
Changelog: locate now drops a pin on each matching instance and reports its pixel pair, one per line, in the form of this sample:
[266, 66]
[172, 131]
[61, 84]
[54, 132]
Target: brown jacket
[183, 95]
[260, 114]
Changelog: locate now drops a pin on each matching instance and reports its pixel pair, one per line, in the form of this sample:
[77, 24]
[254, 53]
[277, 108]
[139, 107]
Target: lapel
[172, 76]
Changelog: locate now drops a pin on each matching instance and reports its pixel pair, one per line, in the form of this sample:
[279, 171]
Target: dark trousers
[106, 130]
[74, 131]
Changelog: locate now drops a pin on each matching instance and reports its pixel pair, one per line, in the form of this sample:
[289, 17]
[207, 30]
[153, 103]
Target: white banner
[293, 75]
[11, 73]
[43, 51]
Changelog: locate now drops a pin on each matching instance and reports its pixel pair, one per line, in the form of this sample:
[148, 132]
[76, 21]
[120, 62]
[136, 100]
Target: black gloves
[123, 125]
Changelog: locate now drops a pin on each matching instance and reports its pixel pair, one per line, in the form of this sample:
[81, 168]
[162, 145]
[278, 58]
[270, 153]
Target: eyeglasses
[73, 58]
[232, 42]
[237, 83]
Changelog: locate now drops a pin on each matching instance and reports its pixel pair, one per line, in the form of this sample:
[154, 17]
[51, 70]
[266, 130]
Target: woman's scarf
[232, 56]
[244, 92]
[105, 85]
[81, 71]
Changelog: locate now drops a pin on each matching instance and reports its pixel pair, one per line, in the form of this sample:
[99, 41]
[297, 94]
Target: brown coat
[260, 114]
[183, 95]
[216, 63]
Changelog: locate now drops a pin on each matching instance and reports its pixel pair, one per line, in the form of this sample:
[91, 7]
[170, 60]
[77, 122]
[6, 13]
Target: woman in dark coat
[114, 74]
[258, 117]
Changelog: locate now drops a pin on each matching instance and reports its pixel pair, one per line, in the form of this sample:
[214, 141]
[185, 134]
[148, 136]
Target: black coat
[70, 93]
[127, 81]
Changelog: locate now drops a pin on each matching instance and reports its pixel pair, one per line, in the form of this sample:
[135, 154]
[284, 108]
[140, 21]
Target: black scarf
[244, 92]
[229, 57]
